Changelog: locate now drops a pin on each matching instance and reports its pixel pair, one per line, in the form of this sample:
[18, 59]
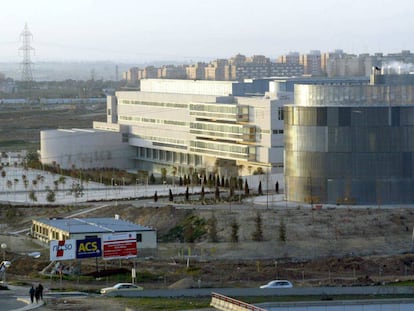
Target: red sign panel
[119, 245]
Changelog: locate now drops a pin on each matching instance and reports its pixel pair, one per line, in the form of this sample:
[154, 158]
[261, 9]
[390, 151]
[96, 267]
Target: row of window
[43, 231]
[157, 104]
[226, 109]
[174, 143]
[168, 156]
[217, 127]
[151, 120]
[240, 150]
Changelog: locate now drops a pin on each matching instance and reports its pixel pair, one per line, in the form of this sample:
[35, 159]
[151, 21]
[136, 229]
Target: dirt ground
[341, 245]
[331, 246]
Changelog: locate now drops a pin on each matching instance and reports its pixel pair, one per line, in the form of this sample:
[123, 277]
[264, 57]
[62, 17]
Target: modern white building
[200, 126]
[183, 126]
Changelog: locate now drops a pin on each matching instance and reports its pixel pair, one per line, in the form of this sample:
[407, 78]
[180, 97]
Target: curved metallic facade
[352, 144]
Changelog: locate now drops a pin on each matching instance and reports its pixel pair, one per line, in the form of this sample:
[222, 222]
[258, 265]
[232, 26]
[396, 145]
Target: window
[280, 113]
[139, 237]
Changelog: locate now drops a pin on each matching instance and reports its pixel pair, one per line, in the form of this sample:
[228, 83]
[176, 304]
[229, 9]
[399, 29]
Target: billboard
[88, 248]
[62, 250]
[119, 245]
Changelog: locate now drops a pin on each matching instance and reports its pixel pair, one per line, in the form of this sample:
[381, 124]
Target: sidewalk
[30, 306]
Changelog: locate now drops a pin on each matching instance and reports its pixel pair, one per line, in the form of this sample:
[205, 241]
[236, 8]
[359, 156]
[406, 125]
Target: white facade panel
[84, 149]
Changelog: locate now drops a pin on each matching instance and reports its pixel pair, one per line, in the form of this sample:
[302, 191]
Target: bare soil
[337, 245]
[331, 246]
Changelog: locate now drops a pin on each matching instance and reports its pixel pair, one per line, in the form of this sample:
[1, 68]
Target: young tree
[246, 188]
[217, 194]
[51, 196]
[187, 194]
[32, 196]
[257, 235]
[164, 174]
[231, 193]
[202, 195]
[282, 230]
[174, 172]
[240, 182]
[234, 238]
[194, 228]
[259, 190]
[170, 196]
[212, 229]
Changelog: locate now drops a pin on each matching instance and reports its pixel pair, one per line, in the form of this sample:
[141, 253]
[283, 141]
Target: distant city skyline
[189, 31]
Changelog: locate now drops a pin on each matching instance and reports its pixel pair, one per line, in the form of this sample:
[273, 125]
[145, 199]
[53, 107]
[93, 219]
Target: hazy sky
[189, 30]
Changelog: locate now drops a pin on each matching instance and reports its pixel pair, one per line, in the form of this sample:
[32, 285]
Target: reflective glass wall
[349, 154]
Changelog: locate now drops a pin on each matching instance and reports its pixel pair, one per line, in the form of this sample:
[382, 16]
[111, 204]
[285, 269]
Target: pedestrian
[37, 294]
[32, 293]
[40, 287]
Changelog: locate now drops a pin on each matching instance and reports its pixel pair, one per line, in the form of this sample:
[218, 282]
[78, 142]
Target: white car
[121, 287]
[278, 284]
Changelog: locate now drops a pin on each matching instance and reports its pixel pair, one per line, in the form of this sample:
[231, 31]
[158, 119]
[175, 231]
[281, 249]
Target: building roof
[93, 225]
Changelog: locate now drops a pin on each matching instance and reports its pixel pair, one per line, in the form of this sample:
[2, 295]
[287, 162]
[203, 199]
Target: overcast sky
[189, 30]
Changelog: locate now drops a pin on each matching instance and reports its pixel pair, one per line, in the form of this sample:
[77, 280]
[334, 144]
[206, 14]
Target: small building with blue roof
[48, 229]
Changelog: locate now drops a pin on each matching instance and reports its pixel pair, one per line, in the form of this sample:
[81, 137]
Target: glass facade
[355, 154]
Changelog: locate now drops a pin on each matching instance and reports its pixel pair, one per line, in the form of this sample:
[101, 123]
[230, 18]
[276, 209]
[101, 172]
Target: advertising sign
[88, 248]
[62, 250]
[119, 245]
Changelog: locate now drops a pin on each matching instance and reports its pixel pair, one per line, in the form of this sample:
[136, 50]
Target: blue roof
[93, 225]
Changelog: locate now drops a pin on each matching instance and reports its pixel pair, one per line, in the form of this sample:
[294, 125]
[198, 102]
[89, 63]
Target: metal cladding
[351, 144]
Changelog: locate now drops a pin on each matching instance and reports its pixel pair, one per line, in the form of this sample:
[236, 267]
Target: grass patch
[167, 304]
[402, 283]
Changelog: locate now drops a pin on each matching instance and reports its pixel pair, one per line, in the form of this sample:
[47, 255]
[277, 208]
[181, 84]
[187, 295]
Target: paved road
[16, 298]
[10, 303]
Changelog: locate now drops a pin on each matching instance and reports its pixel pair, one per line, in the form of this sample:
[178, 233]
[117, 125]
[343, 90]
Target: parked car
[278, 284]
[121, 287]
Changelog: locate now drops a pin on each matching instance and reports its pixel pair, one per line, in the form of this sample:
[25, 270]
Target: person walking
[40, 287]
[32, 293]
[37, 294]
